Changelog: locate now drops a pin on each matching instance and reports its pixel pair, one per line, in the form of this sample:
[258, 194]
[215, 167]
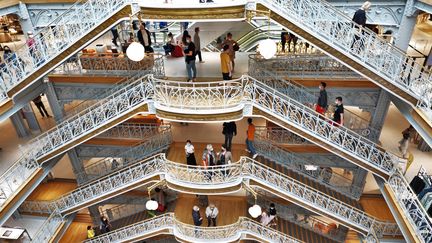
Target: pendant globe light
[267, 48]
[135, 51]
[152, 204]
[255, 211]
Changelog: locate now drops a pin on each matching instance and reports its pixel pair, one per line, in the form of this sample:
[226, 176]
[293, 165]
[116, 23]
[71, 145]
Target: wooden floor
[376, 206]
[51, 190]
[77, 232]
[230, 208]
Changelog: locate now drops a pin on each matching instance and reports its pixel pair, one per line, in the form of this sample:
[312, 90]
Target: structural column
[31, 118]
[19, 125]
[406, 27]
[53, 101]
[77, 166]
[380, 112]
[25, 21]
[95, 214]
[359, 179]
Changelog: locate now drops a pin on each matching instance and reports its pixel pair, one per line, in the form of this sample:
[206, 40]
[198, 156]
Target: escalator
[216, 180]
[363, 51]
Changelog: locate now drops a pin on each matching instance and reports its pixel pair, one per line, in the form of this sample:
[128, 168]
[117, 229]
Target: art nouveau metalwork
[228, 233]
[54, 39]
[166, 95]
[219, 177]
[135, 130]
[48, 228]
[325, 22]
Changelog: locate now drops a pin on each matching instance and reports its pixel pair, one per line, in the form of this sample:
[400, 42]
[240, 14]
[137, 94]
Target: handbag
[236, 47]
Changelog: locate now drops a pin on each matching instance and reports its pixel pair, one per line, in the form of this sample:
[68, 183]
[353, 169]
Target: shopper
[226, 64]
[321, 105]
[272, 211]
[160, 195]
[196, 216]
[229, 130]
[190, 153]
[360, 19]
[250, 133]
[13, 60]
[184, 38]
[105, 226]
[144, 38]
[284, 39]
[209, 158]
[292, 38]
[114, 164]
[233, 47]
[190, 59]
[338, 115]
[40, 105]
[90, 232]
[115, 35]
[197, 42]
[224, 156]
[404, 144]
[211, 214]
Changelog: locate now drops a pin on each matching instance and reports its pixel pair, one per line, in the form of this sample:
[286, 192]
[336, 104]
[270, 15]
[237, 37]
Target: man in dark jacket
[360, 19]
[229, 130]
[321, 105]
[196, 216]
[144, 38]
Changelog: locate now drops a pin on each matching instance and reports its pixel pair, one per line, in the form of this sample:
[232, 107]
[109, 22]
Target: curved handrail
[360, 44]
[213, 177]
[191, 233]
[53, 40]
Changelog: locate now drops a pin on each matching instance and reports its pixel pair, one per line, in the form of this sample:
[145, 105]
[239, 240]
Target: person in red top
[250, 138]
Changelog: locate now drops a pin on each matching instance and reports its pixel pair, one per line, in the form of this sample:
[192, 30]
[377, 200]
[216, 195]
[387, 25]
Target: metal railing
[291, 216]
[153, 145]
[52, 40]
[300, 93]
[326, 23]
[215, 97]
[323, 176]
[134, 130]
[48, 228]
[219, 177]
[191, 233]
[302, 66]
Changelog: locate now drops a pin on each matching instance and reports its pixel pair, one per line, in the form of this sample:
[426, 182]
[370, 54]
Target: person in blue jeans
[190, 53]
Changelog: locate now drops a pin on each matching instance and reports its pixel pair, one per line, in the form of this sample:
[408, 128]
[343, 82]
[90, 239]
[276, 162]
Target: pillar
[19, 125]
[359, 179]
[406, 27]
[95, 214]
[30, 117]
[380, 112]
[25, 21]
[56, 108]
[77, 165]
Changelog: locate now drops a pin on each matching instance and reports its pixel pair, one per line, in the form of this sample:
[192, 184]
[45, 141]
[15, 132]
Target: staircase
[361, 50]
[53, 45]
[219, 179]
[167, 224]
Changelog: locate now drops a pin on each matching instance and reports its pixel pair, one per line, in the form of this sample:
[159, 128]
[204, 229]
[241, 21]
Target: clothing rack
[422, 173]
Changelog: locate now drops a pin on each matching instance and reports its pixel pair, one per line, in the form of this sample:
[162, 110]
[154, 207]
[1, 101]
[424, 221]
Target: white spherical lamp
[267, 48]
[152, 204]
[135, 52]
[255, 211]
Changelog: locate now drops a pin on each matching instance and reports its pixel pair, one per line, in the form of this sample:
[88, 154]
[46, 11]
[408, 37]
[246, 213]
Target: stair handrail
[373, 51]
[217, 177]
[39, 52]
[153, 145]
[192, 233]
[135, 130]
[48, 228]
[291, 162]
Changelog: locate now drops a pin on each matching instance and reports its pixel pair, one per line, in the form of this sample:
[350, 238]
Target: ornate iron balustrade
[301, 94]
[280, 135]
[360, 44]
[52, 40]
[301, 66]
[38, 207]
[193, 233]
[135, 130]
[48, 228]
[290, 215]
[145, 149]
[218, 177]
[412, 207]
[203, 96]
[97, 65]
[332, 180]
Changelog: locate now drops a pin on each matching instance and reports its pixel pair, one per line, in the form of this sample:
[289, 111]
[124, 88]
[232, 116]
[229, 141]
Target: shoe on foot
[194, 79]
[254, 156]
[189, 80]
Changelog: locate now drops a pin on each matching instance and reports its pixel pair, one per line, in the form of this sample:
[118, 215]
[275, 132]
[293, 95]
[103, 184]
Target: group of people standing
[321, 105]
